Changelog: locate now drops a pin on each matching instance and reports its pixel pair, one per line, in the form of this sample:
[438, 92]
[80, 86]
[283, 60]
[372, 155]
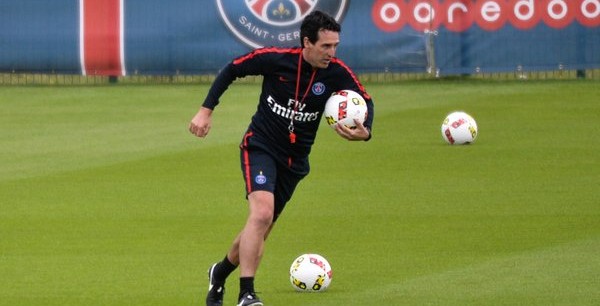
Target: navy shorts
[262, 171]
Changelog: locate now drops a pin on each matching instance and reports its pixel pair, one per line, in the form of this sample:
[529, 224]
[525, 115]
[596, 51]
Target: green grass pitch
[106, 199]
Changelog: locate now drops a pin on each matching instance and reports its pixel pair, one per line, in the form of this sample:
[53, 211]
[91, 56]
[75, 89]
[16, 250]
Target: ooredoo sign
[490, 15]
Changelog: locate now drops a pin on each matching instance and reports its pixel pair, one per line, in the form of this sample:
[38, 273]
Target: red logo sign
[490, 15]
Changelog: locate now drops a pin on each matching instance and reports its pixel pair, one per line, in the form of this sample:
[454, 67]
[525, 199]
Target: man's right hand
[200, 124]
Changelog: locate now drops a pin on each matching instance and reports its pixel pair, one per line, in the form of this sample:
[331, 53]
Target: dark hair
[315, 22]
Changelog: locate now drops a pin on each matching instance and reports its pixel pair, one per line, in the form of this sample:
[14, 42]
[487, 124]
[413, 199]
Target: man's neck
[306, 60]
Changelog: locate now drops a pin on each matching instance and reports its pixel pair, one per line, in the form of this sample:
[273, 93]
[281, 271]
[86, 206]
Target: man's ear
[305, 42]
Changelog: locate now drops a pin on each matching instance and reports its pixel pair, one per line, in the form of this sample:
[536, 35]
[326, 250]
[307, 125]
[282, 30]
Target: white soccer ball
[459, 128]
[310, 273]
[344, 106]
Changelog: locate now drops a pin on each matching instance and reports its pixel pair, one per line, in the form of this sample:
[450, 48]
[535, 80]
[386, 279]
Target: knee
[264, 219]
[262, 208]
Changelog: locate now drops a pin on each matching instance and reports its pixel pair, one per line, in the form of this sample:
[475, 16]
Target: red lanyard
[296, 103]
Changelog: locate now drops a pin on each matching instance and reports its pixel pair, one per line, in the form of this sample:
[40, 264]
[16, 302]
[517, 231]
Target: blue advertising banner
[39, 36]
[504, 35]
[127, 37]
[202, 36]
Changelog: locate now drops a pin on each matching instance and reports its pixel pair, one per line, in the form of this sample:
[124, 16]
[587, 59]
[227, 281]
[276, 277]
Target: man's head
[319, 36]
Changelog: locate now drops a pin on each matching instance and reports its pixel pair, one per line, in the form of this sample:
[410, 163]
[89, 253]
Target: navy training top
[279, 68]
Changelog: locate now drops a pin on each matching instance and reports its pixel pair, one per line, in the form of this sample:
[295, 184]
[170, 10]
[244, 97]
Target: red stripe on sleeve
[360, 86]
[256, 52]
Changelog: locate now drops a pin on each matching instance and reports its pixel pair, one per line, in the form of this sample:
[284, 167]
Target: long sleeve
[221, 83]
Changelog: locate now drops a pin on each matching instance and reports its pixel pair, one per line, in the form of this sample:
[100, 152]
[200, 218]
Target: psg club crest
[263, 23]
[318, 88]
[260, 179]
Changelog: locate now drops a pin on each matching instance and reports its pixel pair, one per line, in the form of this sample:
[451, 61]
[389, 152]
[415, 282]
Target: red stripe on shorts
[247, 163]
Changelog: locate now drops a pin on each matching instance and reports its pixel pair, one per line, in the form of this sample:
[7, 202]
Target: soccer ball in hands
[310, 273]
[459, 128]
[344, 106]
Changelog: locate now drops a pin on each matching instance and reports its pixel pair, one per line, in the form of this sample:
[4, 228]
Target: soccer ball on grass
[344, 106]
[310, 273]
[459, 128]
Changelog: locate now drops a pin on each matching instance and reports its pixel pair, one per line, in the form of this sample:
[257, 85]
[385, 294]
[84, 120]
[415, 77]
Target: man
[274, 151]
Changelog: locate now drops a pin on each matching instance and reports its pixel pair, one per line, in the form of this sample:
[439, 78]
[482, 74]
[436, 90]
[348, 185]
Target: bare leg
[248, 247]
[234, 253]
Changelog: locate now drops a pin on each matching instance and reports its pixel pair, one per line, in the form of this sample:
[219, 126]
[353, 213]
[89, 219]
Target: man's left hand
[358, 133]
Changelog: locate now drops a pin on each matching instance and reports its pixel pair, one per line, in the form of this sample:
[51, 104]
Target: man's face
[320, 53]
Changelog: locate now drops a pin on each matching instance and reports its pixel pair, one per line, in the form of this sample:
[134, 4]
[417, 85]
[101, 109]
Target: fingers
[200, 124]
[200, 131]
[343, 131]
[357, 133]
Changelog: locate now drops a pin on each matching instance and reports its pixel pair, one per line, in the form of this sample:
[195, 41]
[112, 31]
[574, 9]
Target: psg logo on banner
[262, 23]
